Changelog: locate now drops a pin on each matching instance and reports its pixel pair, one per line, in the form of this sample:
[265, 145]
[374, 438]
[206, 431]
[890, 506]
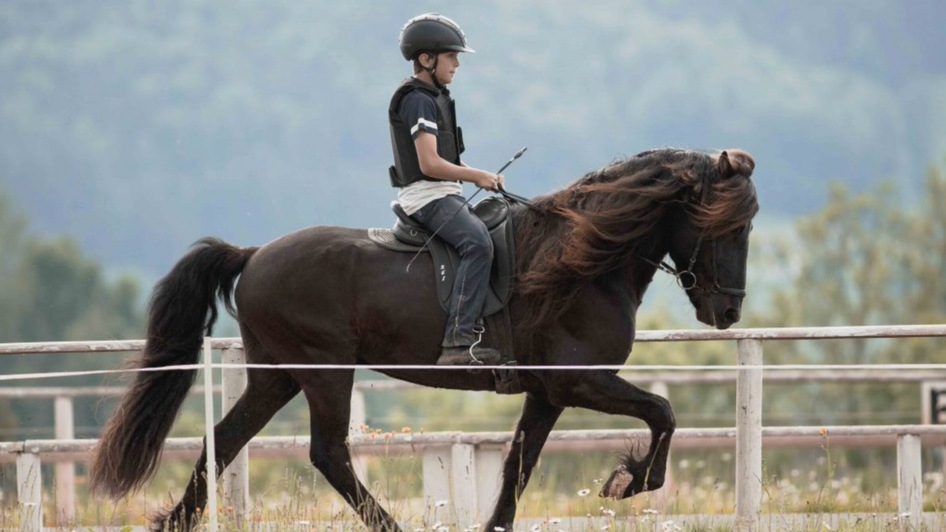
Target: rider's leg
[469, 236]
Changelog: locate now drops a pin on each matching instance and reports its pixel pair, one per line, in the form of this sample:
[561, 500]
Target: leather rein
[686, 279]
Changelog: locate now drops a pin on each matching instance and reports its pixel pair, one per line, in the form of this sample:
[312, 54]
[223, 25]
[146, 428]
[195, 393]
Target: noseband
[686, 279]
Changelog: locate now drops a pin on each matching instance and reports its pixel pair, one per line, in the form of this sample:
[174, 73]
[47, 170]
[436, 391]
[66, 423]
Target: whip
[502, 191]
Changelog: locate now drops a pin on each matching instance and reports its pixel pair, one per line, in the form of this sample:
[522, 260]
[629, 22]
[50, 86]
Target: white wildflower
[584, 492]
[441, 503]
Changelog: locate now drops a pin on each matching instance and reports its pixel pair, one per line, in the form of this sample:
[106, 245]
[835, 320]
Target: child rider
[428, 174]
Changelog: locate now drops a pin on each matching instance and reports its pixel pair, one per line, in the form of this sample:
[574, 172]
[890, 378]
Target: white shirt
[414, 196]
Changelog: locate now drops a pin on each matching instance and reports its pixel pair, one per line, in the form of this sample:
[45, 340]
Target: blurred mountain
[138, 127]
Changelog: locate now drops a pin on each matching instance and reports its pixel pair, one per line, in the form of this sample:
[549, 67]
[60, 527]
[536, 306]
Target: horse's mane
[591, 227]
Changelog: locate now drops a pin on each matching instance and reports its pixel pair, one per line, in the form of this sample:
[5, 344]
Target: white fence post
[909, 482]
[463, 473]
[356, 419]
[236, 477]
[66, 471]
[749, 436]
[29, 491]
[489, 478]
[437, 466]
[210, 443]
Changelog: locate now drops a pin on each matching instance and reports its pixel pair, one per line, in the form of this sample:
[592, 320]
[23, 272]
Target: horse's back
[333, 285]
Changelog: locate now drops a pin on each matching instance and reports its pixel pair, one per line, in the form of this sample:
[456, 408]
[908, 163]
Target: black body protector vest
[406, 169]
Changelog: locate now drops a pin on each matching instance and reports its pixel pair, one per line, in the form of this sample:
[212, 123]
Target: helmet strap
[433, 71]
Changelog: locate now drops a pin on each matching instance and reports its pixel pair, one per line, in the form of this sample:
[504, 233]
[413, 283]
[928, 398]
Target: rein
[686, 279]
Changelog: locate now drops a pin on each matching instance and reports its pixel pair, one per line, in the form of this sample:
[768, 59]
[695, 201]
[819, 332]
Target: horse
[327, 295]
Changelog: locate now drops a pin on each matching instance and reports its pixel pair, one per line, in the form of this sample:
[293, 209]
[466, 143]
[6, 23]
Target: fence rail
[748, 433]
[679, 335]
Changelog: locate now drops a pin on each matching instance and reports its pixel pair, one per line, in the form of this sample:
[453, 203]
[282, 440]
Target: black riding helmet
[431, 33]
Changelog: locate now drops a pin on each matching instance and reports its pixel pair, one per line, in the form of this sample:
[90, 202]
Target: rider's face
[447, 67]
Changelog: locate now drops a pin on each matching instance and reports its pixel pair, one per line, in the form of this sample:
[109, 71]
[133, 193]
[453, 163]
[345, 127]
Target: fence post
[489, 478]
[437, 464]
[909, 482]
[210, 443]
[749, 436]
[66, 471]
[236, 478]
[356, 419]
[29, 492]
[463, 474]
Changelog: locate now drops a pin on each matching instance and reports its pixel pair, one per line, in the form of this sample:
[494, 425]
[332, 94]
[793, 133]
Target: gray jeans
[469, 236]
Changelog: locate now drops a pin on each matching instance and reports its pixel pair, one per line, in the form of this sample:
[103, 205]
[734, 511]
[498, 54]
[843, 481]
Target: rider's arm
[432, 165]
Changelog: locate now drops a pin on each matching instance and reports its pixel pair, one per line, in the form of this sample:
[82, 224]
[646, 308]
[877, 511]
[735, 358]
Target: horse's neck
[643, 262]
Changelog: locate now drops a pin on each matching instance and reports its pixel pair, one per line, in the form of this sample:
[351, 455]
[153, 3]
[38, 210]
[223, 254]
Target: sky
[139, 127]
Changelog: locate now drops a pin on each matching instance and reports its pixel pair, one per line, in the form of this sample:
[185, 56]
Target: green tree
[50, 291]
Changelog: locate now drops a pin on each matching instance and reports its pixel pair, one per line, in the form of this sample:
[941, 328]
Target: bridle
[686, 279]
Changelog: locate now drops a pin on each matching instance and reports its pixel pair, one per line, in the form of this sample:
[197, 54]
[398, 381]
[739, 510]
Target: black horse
[328, 295]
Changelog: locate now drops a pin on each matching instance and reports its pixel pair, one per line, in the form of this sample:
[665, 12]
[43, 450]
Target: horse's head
[709, 243]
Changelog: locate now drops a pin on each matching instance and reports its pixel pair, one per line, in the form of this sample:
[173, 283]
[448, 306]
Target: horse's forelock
[729, 204]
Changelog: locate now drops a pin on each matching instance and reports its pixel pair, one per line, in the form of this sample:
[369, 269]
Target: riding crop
[502, 191]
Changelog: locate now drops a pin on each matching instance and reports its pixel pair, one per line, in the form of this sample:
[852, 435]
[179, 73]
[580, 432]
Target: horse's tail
[182, 309]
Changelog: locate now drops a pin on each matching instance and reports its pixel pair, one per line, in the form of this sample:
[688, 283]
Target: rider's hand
[489, 181]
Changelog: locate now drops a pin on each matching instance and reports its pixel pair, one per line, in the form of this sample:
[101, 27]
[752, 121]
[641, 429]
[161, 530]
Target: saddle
[409, 236]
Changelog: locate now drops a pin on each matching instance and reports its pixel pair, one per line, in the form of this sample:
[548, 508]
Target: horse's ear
[725, 166]
[732, 162]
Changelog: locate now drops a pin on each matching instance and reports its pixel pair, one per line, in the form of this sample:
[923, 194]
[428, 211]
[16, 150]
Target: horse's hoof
[617, 484]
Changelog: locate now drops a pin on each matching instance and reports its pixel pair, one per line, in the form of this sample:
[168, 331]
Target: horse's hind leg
[329, 396]
[537, 419]
[267, 391]
[604, 391]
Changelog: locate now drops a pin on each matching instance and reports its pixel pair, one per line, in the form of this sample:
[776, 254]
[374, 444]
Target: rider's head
[432, 42]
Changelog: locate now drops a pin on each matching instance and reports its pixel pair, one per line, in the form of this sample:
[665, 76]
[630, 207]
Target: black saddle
[408, 235]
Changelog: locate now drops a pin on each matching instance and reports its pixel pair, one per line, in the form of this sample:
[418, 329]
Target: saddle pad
[386, 239]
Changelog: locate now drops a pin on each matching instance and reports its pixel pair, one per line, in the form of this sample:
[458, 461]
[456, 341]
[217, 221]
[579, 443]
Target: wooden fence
[748, 433]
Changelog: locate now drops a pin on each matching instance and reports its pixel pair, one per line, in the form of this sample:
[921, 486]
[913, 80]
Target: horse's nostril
[732, 315]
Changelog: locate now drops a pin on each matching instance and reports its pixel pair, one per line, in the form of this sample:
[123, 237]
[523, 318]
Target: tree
[50, 291]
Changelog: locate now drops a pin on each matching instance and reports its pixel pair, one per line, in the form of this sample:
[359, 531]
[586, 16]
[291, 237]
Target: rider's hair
[418, 67]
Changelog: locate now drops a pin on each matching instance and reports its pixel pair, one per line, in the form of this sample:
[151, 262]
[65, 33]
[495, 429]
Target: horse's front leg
[604, 391]
[537, 419]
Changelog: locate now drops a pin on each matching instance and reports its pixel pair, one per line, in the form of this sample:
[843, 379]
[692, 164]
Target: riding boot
[468, 356]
